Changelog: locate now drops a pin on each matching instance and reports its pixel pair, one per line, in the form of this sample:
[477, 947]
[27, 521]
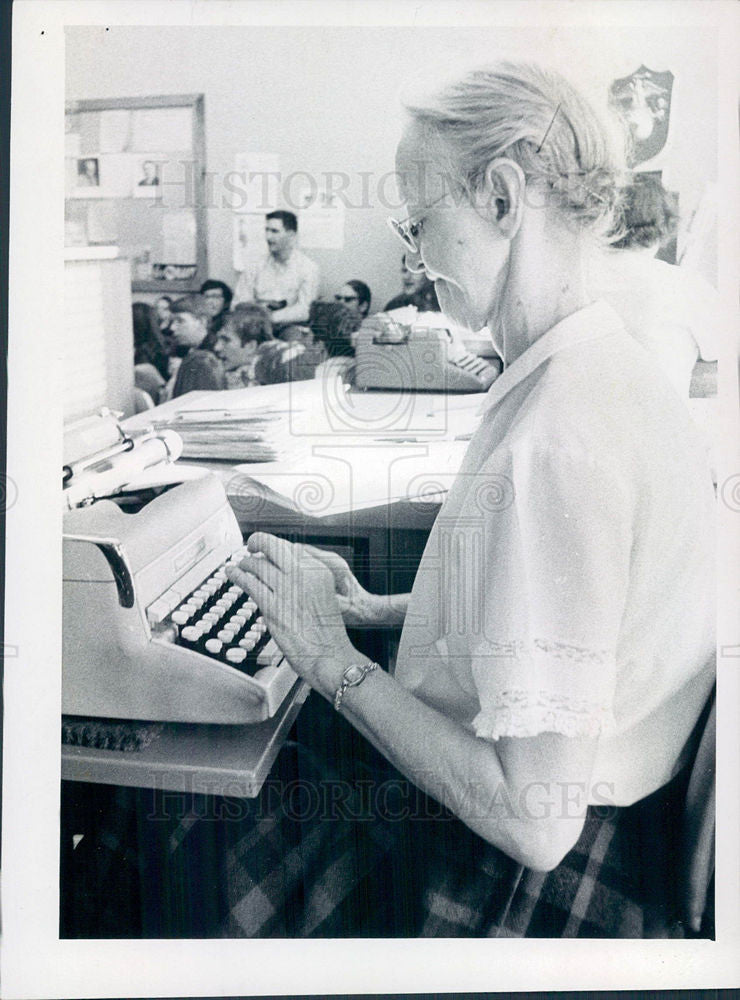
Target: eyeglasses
[346, 298]
[408, 231]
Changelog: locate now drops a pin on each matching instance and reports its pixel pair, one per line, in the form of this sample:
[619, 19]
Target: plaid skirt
[338, 844]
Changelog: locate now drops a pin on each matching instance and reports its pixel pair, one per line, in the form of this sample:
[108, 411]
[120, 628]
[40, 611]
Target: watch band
[353, 675]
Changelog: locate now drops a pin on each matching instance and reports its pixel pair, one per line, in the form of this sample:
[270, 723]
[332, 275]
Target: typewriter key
[236, 655]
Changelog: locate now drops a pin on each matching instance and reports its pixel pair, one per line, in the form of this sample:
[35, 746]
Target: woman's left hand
[296, 595]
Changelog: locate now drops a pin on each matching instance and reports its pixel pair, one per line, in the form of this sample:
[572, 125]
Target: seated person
[285, 281]
[162, 307]
[245, 331]
[418, 291]
[293, 358]
[672, 311]
[333, 324]
[313, 351]
[356, 296]
[150, 355]
[218, 296]
[200, 368]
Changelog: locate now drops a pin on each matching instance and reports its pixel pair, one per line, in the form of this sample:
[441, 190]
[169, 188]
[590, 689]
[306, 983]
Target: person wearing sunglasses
[557, 645]
[356, 296]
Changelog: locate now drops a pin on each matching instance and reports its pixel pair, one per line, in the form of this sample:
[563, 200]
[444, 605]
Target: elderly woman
[557, 644]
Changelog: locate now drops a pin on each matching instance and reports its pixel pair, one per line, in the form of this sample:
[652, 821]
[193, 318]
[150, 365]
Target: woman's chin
[452, 305]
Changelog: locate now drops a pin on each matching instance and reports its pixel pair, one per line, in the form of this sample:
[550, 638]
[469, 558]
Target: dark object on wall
[643, 99]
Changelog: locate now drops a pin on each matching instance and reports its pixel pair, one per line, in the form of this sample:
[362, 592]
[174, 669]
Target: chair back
[699, 821]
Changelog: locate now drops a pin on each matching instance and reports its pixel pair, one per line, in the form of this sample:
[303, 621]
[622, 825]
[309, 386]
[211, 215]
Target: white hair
[536, 118]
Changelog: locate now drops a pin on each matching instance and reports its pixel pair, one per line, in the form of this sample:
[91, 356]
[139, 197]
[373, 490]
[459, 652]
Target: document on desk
[349, 476]
[254, 399]
[233, 432]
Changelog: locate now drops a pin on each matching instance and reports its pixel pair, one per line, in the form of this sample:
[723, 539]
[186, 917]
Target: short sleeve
[555, 594]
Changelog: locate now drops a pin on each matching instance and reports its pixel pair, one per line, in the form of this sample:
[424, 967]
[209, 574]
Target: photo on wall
[146, 175]
[88, 172]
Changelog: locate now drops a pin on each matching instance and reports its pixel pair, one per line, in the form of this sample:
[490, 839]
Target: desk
[382, 541]
[202, 760]
[364, 440]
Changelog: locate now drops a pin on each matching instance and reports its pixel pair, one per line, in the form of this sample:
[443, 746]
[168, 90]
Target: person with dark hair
[355, 295]
[245, 331]
[294, 357]
[418, 291]
[648, 215]
[162, 308]
[218, 296]
[200, 368]
[148, 346]
[285, 281]
[332, 324]
[150, 356]
[318, 349]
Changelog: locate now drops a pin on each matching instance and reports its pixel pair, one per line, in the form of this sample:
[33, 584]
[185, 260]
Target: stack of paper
[236, 435]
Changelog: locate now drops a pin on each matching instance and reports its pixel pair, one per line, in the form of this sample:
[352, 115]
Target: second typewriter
[153, 629]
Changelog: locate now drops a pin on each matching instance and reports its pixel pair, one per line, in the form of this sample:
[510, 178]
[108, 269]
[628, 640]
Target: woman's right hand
[359, 606]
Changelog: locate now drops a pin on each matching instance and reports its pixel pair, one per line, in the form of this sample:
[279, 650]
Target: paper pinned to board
[178, 234]
[72, 144]
[321, 224]
[249, 239]
[115, 130]
[162, 128]
[256, 183]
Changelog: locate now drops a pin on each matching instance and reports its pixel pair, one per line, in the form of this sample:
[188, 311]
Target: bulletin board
[134, 178]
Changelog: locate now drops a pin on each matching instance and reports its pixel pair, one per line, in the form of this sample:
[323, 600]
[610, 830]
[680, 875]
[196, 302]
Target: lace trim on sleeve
[522, 713]
[576, 654]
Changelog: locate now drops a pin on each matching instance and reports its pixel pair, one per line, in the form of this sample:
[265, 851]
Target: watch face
[354, 674]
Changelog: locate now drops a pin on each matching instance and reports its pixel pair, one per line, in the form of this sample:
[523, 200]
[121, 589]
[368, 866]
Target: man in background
[285, 281]
[200, 368]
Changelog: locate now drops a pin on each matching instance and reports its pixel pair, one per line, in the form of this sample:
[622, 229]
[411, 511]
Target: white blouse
[567, 585]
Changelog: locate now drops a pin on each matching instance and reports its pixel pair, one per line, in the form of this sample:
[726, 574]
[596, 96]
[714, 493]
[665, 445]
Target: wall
[327, 99]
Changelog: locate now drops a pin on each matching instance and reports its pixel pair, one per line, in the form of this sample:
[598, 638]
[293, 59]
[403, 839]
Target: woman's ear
[503, 191]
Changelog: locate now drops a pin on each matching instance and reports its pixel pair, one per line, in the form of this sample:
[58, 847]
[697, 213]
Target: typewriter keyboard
[220, 620]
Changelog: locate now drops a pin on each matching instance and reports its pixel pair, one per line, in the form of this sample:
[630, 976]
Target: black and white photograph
[88, 172]
[383, 467]
[150, 174]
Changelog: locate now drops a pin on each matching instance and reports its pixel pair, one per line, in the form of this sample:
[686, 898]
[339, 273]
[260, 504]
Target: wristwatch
[352, 676]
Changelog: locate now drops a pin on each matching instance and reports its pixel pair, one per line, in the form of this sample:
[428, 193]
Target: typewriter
[153, 629]
[404, 349]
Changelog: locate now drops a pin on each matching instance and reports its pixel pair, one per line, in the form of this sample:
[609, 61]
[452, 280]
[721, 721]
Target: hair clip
[547, 130]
